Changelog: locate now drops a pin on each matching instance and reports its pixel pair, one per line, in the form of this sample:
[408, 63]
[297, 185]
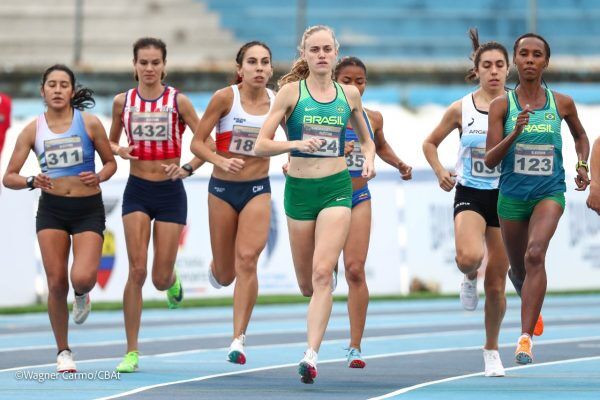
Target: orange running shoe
[523, 353]
[539, 326]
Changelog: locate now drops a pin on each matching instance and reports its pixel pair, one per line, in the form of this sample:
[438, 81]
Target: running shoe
[523, 353]
[64, 362]
[81, 308]
[493, 363]
[175, 293]
[212, 280]
[129, 362]
[308, 367]
[517, 283]
[355, 360]
[468, 294]
[539, 326]
[236, 350]
[334, 278]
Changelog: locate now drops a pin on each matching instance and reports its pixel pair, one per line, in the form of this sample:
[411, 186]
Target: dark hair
[478, 50]
[239, 58]
[144, 42]
[348, 61]
[149, 42]
[83, 97]
[532, 35]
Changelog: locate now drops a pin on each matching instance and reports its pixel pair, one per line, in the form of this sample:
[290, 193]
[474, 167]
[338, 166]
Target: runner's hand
[175, 172]
[405, 171]
[125, 153]
[446, 180]
[89, 178]
[232, 165]
[309, 145]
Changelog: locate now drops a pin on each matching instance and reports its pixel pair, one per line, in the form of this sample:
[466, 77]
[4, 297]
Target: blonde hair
[299, 69]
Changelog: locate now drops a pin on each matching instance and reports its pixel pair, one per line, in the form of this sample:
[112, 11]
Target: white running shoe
[81, 308]
[493, 363]
[468, 294]
[334, 281]
[237, 355]
[64, 362]
[308, 366]
[211, 278]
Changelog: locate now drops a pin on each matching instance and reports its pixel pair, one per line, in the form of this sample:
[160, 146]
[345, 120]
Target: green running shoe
[129, 363]
[175, 293]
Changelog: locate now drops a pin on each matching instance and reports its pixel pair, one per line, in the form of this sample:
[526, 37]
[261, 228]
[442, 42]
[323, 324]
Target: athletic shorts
[483, 202]
[71, 214]
[360, 195]
[163, 201]
[521, 210]
[304, 198]
[238, 194]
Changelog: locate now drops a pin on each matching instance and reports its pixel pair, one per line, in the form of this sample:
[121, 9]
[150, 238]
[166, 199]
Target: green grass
[265, 299]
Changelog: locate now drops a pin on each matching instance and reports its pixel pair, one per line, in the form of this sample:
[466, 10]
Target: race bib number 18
[328, 135]
[63, 153]
[478, 168]
[534, 159]
[152, 126]
[243, 139]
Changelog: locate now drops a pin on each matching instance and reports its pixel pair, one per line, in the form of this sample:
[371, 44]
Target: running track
[414, 350]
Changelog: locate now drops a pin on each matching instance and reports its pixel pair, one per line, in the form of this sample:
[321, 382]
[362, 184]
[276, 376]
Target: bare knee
[224, 276]
[58, 286]
[355, 272]
[494, 291]
[535, 256]
[245, 263]
[84, 282]
[162, 278]
[306, 290]
[322, 276]
[468, 261]
[137, 273]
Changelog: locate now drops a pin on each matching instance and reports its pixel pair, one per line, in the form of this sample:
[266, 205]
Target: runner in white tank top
[239, 200]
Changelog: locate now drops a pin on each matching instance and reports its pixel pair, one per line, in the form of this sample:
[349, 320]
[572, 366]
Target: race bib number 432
[243, 139]
[153, 126]
[534, 159]
[63, 153]
[328, 135]
[478, 168]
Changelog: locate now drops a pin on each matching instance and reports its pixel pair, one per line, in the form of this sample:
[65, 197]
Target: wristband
[582, 163]
[188, 168]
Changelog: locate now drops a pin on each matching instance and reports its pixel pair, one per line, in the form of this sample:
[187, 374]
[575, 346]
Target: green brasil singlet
[325, 121]
[533, 167]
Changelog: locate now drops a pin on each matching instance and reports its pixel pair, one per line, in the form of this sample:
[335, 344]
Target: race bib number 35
[534, 159]
[63, 153]
[356, 159]
[478, 168]
[243, 139]
[328, 135]
[153, 126]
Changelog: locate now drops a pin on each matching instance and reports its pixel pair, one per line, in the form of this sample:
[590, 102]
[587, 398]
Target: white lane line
[378, 356]
[455, 378]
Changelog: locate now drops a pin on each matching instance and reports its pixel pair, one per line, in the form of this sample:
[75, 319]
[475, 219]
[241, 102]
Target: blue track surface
[414, 350]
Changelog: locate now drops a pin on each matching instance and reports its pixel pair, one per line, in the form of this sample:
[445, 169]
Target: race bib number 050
[243, 139]
[356, 159]
[534, 159]
[478, 168]
[63, 153]
[152, 126]
[328, 135]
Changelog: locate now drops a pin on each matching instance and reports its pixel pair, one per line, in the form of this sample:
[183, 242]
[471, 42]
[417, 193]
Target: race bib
[328, 135]
[478, 168]
[534, 159]
[243, 139]
[63, 153]
[152, 126]
[356, 159]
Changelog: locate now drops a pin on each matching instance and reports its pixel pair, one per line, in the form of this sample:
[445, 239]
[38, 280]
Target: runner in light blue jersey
[524, 135]
[476, 226]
